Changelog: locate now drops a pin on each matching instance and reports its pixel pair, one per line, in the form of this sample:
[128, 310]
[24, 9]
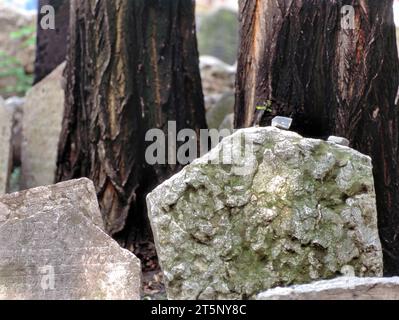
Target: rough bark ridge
[52, 44]
[132, 66]
[295, 55]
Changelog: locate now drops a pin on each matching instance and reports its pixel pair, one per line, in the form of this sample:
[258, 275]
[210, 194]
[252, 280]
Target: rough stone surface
[217, 76]
[5, 145]
[42, 124]
[292, 211]
[57, 230]
[344, 288]
[339, 140]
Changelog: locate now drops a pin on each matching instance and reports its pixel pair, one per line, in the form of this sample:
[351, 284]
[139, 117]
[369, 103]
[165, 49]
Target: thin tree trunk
[295, 55]
[132, 66]
[52, 44]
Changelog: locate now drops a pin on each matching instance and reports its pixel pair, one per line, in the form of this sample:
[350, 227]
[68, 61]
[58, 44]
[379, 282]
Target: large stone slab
[42, 122]
[290, 211]
[53, 247]
[5, 145]
[345, 288]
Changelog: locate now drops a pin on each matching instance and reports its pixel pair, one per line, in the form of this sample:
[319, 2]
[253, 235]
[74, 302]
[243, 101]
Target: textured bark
[331, 80]
[52, 44]
[132, 66]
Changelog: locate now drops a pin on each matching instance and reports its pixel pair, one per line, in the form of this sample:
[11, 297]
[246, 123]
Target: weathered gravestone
[42, 124]
[343, 288]
[217, 77]
[53, 247]
[16, 106]
[5, 145]
[228, 123]
[217, 114]
[290, 211]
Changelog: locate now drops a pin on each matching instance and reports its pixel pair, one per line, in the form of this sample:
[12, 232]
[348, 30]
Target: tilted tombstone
[5, 145]
[42, 124]
[53, 247]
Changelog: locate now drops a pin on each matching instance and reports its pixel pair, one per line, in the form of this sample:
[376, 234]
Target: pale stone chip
[344, 288]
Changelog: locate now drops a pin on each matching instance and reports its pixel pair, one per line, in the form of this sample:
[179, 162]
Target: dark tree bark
[331, 80]
[52, 44]
[132, 66]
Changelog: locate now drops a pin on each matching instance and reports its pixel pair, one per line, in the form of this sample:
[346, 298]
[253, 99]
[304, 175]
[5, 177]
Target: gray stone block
[53, 247]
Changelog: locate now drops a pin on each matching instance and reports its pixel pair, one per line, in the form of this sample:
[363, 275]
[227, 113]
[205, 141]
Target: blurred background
[217, 38]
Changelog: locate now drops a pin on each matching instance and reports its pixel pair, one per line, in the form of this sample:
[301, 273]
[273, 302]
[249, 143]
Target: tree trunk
[297, 57]
[52, 44]
[132, 66]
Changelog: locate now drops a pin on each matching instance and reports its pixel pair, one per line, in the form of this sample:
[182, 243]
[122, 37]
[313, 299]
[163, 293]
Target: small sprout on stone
[267, 106]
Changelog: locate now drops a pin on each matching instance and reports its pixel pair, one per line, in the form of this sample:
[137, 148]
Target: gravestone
[16, 105]
[53, 247]
[42, 124]
[264, 208]
[217, 114]
[217, 77]
[5, 145]
[228, 123]
[344, 288]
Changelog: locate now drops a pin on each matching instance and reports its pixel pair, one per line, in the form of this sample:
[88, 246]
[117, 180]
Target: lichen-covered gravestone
[5, 145]
[53, 247]
[290, 211]
[42, 123]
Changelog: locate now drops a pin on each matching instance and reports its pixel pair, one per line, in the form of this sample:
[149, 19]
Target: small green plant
[267, 106]
[12, 68]
[27, 34]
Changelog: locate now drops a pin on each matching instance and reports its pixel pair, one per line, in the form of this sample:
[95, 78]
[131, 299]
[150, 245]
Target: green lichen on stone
[305, 210]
